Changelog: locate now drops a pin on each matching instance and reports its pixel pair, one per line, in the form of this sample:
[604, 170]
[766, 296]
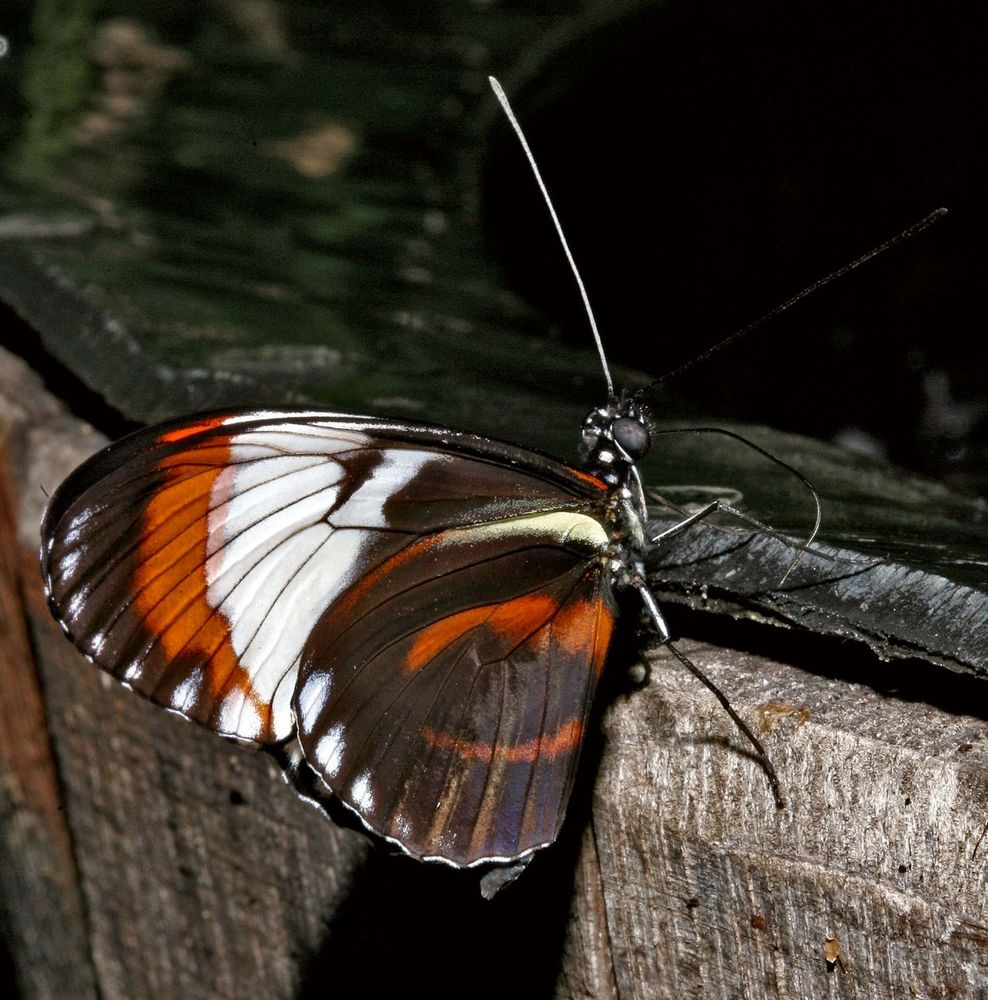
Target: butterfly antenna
[916, 227]
[802, 548]
[502, 97]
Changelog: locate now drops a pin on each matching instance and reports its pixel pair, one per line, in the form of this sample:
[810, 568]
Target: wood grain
[40, 902]
[709, 892]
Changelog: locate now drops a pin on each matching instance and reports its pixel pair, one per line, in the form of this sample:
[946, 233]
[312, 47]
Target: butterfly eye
[632, 437]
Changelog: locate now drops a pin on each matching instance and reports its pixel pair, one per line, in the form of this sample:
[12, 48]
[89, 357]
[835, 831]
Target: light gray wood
[874, 863]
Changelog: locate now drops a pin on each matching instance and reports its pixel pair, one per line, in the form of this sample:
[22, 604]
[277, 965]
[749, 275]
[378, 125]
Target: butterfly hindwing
[444, 697]
[205, 563]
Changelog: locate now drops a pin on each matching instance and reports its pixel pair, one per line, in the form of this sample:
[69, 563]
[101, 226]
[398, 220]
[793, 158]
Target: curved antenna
[806, 546]
[916, 227]
[502, 97]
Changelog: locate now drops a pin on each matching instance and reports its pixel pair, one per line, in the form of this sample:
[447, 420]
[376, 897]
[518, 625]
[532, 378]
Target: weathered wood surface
[901, 605]
[41, 908]
[901, 562]
[708, 892]
[194, 871]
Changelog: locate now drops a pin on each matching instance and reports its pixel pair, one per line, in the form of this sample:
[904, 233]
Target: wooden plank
[871, 882]
[40, 902]
[588, 969]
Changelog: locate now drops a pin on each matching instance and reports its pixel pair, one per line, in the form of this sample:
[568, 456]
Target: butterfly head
[615, 437]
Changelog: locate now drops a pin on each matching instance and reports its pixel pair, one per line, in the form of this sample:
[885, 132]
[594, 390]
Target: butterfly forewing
[410, 572]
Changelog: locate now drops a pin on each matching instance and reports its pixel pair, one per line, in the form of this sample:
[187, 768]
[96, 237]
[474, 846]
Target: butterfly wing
[204, 563]
[444, 697]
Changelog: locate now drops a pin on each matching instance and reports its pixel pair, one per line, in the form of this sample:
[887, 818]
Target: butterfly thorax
[625, 553]
[615, 437]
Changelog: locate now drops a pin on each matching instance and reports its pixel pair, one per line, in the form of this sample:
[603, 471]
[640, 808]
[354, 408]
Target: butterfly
[414, 617]
[426, 612]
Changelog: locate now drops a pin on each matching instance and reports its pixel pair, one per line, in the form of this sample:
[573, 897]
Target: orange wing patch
[512, 620]
[188, 430]
[585, 623]
[566, 739]
[589, 479]
[170, 581]
[433, 640]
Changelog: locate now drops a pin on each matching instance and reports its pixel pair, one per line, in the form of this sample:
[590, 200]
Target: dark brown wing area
[444, 697]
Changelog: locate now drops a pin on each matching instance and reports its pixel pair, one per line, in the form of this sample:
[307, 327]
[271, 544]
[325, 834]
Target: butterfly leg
[666, 639]
[720, 507]
[687, 521]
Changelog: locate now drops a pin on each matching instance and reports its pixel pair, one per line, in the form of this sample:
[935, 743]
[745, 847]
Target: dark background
[708, 160]
[711, 160]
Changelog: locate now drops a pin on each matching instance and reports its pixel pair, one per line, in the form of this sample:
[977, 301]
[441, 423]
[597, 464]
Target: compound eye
[632, 437]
